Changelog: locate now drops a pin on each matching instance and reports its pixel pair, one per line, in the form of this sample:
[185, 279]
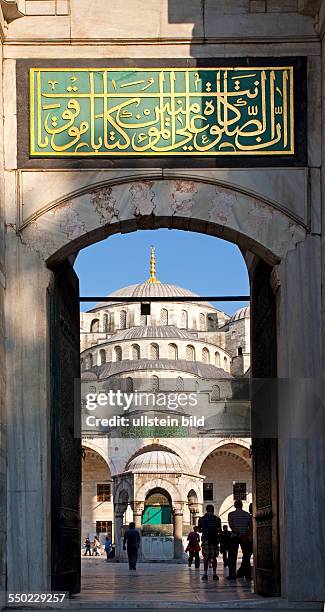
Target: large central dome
[148, 289]
[152, 287]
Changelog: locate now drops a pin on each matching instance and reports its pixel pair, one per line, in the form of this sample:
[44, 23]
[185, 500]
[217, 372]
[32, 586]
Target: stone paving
[157, 582]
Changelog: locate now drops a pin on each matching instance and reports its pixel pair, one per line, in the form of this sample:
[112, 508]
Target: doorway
[260, 281]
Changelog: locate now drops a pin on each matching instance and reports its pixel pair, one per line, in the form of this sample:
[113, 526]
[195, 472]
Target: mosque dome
[149, 289]
[241, 313]
[157, 462]
[152, 287]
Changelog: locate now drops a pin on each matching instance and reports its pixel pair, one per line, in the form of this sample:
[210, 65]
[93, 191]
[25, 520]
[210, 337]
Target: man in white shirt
[240, 523]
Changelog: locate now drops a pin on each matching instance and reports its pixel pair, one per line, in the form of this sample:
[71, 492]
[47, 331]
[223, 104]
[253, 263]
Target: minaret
[153, 278]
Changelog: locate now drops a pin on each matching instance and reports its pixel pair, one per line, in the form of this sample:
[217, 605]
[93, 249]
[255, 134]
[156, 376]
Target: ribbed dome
[241, 313]
[157, 462]
[148, 289]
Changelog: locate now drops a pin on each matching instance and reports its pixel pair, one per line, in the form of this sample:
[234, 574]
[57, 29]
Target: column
[118, 533]
[178, 533]
[138, 508]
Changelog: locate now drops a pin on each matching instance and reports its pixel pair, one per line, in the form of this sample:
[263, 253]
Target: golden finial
[153, 278]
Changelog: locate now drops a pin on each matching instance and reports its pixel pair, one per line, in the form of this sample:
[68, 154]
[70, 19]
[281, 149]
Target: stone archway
[97, 494]
[225, 465]
[59, 229]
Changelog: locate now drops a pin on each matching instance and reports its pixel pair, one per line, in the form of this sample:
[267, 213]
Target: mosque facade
[162, 476]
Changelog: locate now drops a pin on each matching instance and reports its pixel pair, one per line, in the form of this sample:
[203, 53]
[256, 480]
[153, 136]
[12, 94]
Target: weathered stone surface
[40, 7]
[282, 6]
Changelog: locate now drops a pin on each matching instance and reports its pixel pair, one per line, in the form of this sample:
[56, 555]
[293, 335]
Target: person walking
[193, 547]
[108, 546]
[131, 543]
[210, 527]
[87, 547]
[96, 547]
[240, 523]
[224, 544]
[242, 571]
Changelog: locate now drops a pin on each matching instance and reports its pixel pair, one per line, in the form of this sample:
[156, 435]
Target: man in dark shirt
[131, 543]
[210, 527]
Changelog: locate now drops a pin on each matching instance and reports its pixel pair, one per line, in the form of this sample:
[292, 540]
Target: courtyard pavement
[157, 582]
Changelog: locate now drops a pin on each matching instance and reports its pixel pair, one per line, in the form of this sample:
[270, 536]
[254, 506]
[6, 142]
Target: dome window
[89, 361]
[129, 385]
[135, 352]
[163, 316]
[205, 355]
[172, 352]
[154, 351]
[179, 383]
[184, 320]
[154, 383]
[190, 353]
[123, 319]
[217, 359]
[202, 322]
[225, 363]
[102, 356]
[118, 353]
[94, 326]
[215, 393]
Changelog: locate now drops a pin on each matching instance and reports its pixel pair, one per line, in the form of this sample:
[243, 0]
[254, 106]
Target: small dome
[157, 462]
[241, 313]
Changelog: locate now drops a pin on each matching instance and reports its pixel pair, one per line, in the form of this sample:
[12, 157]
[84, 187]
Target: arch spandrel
[64, 227]
[159, 483]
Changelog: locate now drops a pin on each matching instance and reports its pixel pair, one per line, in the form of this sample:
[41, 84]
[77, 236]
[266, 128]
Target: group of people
[215, 539]
[95, 548]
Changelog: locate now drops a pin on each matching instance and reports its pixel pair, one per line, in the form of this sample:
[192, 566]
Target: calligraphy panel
[136, 112]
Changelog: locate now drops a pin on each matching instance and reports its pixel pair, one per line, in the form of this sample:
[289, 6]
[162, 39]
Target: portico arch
[242, 442]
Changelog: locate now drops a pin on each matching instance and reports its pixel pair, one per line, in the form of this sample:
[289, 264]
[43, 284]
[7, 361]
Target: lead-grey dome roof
[148, 289]
[157, 462]
[153, 331]
[196, 368]
[241, 313]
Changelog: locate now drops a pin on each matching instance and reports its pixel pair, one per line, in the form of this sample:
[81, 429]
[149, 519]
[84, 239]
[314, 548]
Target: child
[193, 547]
[108, 545]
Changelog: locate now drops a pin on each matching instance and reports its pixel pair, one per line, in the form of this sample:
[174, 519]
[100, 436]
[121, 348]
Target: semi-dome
[157, 462]
[195, 368]
[241, 313]
[141, 332]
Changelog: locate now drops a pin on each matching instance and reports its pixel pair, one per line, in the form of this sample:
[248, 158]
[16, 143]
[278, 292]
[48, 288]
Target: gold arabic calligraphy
[168, 111]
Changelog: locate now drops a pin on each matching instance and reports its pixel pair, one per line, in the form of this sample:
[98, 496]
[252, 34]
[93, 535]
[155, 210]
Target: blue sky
[204, 264]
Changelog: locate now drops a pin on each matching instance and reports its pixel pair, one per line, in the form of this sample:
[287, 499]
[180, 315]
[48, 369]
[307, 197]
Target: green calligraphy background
[169, 111]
